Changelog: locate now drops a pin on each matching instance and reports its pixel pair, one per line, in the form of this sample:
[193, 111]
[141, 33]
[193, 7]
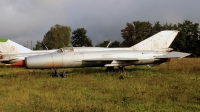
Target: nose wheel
[122, 68]
[110, 69]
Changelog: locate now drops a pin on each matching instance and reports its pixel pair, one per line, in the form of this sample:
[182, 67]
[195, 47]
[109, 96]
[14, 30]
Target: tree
[187, 39]
[103, 44]
[157, 27]
[115, 44]
[136, 32]
[80, 39]
[38, 46]
[57, 37]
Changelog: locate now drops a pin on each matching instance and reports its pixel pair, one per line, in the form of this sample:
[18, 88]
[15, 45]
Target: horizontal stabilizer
[174, 55]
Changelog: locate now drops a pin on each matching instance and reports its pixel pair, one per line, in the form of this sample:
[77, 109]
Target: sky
[24, 21]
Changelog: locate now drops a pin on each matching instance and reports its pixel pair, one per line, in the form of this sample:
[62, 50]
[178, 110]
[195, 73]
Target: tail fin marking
[7, 47]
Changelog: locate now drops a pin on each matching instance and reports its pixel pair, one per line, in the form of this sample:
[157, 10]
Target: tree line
[187, 40]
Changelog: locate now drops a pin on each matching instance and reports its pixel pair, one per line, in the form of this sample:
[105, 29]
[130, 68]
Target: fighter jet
[11, 52]
[152, 51]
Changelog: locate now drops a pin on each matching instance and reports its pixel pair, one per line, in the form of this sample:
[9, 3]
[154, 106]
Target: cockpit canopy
[65, 49]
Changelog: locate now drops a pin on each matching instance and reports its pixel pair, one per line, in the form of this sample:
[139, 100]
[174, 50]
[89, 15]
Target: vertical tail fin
[9, 47]
[161, 40]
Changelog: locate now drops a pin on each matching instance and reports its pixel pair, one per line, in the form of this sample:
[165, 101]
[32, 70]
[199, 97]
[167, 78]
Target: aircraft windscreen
[66, 49]
[60, 50]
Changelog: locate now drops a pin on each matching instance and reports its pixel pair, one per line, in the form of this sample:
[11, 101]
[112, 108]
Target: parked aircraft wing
[119, 63]
[114, 61]
[174, 54]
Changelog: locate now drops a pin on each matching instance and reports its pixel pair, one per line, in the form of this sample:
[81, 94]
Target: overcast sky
[29, 20]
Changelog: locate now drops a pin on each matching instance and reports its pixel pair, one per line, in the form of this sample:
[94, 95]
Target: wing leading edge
[129, 61]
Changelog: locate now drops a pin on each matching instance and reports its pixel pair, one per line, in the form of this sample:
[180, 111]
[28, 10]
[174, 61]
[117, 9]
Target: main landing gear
[56, 74]
[111, 69]
[108, 69]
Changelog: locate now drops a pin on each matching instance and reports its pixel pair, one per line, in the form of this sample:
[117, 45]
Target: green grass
[173, 86]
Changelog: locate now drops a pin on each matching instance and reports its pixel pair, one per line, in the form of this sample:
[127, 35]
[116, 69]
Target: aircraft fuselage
[93, 59]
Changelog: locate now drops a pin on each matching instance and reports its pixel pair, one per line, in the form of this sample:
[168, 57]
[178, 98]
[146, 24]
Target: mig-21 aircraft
[152, 51]
[14, 54]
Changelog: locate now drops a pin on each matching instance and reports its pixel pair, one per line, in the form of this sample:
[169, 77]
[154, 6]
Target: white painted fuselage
[94, 59]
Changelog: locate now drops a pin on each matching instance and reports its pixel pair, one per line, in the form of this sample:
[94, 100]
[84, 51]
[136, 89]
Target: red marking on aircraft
[19, 63]
[12, 48]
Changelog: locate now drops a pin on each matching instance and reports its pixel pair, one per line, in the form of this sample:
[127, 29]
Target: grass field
[173, 86]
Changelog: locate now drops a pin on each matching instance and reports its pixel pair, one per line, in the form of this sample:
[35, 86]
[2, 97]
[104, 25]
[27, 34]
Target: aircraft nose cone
[39, 61]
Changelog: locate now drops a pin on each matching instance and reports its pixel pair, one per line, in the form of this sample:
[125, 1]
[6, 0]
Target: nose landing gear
[111, 69]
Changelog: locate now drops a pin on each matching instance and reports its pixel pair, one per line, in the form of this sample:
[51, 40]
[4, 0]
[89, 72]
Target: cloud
[23, 20]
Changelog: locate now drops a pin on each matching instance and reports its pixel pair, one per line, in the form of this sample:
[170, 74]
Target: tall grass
[173, 86]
